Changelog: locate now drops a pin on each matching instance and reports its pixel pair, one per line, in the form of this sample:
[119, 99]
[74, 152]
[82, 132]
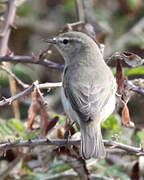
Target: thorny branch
[17, 96]
[130, 83]
[32, 60]
[63, 142]
[28, 91]
[133, 87]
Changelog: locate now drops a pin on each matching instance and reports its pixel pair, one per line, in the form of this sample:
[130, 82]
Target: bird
[88, 88]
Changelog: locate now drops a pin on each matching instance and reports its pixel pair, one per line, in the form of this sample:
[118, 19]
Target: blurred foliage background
[118, 24]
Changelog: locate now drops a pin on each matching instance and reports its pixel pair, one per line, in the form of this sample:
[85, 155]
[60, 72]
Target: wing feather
[87, 101]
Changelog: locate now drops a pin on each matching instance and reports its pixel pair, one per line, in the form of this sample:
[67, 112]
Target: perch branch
[63, 142]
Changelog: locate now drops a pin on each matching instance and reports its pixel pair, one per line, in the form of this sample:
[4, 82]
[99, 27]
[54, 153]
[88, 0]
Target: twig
[31, 59]
[80, 10]
[14, 76]
[6, 29]
[17, 96]
[4, 36]
[28, 91]
[63, 142]
[131, 86]
[70, 26]
[50, 85]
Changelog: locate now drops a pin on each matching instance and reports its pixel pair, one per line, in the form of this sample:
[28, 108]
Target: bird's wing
[87, 101]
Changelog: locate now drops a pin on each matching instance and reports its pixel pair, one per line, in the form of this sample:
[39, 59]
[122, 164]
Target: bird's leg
[67, 133]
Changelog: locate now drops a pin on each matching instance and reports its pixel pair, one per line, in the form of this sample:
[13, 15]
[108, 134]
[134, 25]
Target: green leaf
[61, 168]
[17, 124]
[31, 135]
[4, 129]
[135, 71]
[111, 123]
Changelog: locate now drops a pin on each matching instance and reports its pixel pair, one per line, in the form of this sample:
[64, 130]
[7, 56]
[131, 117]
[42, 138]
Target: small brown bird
[88, 91]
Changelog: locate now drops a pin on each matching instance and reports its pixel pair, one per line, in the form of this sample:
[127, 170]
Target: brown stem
[4, 36]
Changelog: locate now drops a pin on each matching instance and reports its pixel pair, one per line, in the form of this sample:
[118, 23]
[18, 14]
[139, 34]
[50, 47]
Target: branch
[63, 142]
[80, 10]
[32, 60]
[17, 96]
[49, 85]
[135, 85]
[28, 91]
[14, 76]
[4, 37]
[6, 28]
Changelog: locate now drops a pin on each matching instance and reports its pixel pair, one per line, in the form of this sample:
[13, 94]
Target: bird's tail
[91, 141]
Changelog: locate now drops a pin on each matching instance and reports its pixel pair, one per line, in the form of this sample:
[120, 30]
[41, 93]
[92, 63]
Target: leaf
[120, 76]
[45, 118]
[111, 123]
[126, 116]
[30, 135]
[51, 124]
[4, 129]
[62, 118]
[11, 129]
[17, 124]
[131, 59]
[32, 112]
[135, 71]
[60, 132]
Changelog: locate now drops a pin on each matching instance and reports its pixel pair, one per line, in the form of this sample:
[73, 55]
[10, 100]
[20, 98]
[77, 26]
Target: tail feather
[91, 141]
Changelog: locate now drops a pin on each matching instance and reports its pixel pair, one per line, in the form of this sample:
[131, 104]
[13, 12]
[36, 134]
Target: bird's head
[71, 44]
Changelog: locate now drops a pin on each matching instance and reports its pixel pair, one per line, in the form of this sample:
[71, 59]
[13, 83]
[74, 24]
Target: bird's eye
[65, 41]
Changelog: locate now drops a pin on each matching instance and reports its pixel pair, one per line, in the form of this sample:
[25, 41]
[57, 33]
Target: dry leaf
[131, 59]
[51, 124]
[120, 76]
[32, 109]
[126, 116]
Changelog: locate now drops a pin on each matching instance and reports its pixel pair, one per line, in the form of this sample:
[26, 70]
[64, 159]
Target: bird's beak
[50, 40]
